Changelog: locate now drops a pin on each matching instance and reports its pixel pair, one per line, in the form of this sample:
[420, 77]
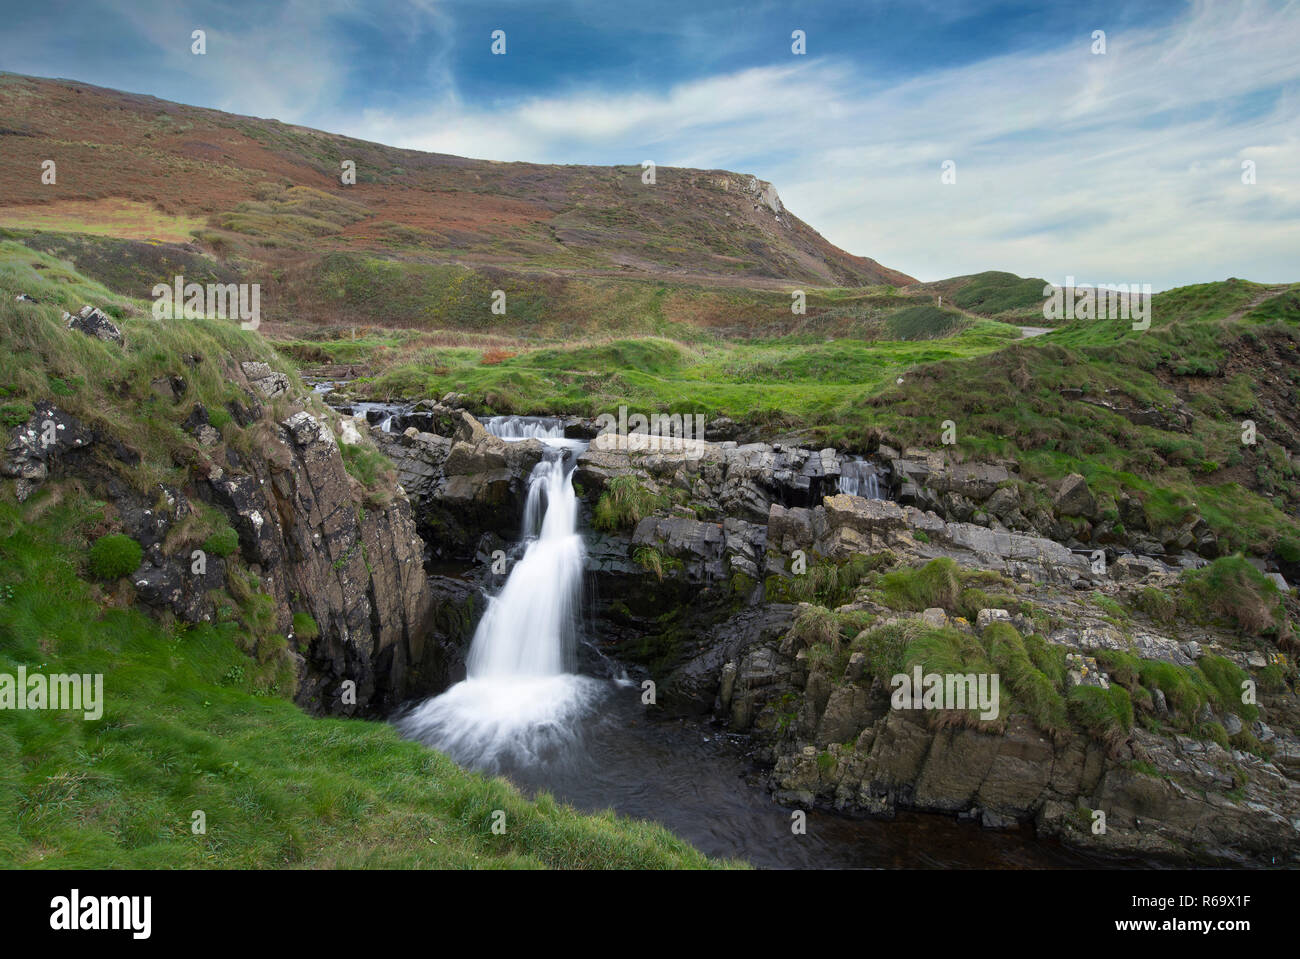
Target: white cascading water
[519, 703]
[858, 478]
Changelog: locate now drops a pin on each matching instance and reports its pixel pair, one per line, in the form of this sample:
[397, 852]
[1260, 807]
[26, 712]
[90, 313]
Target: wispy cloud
[1121, 167]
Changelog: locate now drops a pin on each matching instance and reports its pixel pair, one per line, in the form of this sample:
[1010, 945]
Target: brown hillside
[142, 168]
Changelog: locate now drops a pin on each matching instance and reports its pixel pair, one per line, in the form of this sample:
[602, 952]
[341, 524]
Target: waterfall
[519, 701]
[525, 427]
[528, 629]
[859, 478]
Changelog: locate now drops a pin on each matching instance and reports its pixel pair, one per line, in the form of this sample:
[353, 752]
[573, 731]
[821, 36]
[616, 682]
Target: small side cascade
[860, 477]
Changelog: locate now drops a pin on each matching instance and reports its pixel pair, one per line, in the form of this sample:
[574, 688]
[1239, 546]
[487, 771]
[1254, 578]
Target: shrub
[221, 543]
[114, 556]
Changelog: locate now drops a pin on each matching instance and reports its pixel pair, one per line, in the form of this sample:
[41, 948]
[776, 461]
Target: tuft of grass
[653, 560]
[1034, 690]
[937, 583]
[1106, 714]
[1233, 590]
[624, 503]
[817, 626]
[827, 583]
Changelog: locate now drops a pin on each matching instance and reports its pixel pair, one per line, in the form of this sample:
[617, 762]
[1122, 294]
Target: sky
[1122, 166]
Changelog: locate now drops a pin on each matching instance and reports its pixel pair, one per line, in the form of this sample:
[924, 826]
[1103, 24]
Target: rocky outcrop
[462, 484]
[93, 322]
[309, 540]
[270, 383]
[726, 478]
[867, 758]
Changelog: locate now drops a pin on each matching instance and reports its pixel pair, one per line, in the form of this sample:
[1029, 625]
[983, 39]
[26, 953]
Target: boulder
[264, 379]
[93, 322]
[1074, 498]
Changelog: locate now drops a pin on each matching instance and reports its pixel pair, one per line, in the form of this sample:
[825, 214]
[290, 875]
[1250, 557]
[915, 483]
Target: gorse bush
[114, 556]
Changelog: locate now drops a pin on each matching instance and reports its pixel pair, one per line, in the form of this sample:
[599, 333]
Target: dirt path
[1256, 300]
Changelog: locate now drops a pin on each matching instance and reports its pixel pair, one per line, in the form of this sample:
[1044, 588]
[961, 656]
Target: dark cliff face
[311, 542]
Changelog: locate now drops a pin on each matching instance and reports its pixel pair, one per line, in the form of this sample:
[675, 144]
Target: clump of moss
[114, 556]
[221, 543]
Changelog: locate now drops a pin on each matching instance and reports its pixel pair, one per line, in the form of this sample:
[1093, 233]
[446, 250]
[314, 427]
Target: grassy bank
[192, 720]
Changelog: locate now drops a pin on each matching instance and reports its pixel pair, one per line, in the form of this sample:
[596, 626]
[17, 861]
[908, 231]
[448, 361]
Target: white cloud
[1117, 167]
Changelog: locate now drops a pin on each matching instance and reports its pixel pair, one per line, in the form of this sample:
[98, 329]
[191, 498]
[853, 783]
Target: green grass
[654, 561]
[107, 386]
[1231, 590]
[624, 503]
[936, 584]
[992, 293]
[1106, 714]
[828, 583]
[182, 731]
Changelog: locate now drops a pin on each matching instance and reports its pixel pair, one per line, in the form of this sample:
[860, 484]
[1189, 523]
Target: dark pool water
[695, 779]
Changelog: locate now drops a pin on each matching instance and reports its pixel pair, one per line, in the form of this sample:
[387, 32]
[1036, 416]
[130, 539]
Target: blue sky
[1119, 167]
